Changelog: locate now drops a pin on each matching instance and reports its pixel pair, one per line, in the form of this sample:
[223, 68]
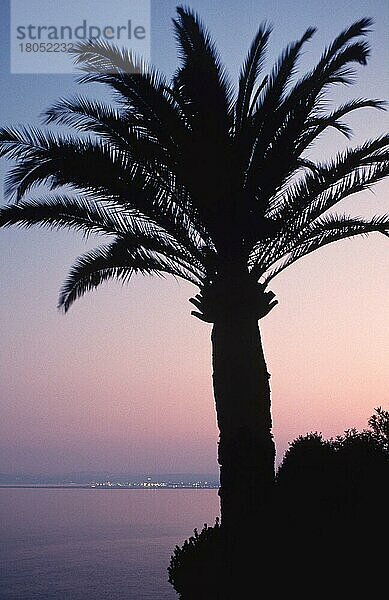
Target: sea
[95, 544]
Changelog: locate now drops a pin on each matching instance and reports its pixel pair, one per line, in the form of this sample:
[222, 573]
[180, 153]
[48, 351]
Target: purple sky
[123, 381]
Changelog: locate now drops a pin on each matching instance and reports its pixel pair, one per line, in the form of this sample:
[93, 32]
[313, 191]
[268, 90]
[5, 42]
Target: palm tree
[191, 179]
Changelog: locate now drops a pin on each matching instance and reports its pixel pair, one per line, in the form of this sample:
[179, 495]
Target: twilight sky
[123, 381]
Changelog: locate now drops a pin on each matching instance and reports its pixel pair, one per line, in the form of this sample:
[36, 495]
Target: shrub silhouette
[379, 425]
[328, 523]
[331, 502]
[340, 479]
[200, 568]
[190, 564]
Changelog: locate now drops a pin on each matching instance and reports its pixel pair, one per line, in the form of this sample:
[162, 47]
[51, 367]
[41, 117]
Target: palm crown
[189, 178]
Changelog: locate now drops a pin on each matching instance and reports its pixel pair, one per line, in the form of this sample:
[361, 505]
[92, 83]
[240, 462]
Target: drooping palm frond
[352, 165]
[95, 167]
[87, 116]
[318, 123]
[57, 160]
[118, 260]
[326, 231]
[268, 252]
[72, 212]
[88, 217]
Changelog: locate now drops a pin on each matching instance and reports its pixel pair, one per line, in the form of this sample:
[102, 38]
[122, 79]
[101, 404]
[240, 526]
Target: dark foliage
[345, 477]
[329, 519]
[189, 566]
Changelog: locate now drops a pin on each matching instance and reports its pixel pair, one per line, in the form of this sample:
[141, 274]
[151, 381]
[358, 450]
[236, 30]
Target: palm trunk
[246, 448]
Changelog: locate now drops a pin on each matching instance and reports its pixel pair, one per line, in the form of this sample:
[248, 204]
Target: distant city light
[148, 483]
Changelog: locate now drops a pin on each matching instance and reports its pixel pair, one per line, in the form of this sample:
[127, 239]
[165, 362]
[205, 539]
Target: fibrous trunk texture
[246, 448]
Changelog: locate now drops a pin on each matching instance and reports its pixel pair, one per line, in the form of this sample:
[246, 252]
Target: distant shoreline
[101, 487]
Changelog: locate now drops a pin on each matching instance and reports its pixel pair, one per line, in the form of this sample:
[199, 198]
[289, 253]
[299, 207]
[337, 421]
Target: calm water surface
[60, 544]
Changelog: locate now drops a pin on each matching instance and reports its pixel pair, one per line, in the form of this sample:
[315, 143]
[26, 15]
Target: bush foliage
[327, 522]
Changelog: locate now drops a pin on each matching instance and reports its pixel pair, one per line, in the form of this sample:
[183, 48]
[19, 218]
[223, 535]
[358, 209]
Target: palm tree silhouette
[196, 181]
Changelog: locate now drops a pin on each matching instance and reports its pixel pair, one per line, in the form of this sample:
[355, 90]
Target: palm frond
[290, 118]
[353, 168]
[269, 103]
[143, 89]
[117, 260]
[120, 127]
[290, 231]
[326, 231]
[94, 167]
[317, 123]
[279, 78]
[84, 215]
[69, 212]
[201, 82]
[357, 29]
[249, 75]
[89, 116]
[333, 61]
[99, 55]
[47, 157]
